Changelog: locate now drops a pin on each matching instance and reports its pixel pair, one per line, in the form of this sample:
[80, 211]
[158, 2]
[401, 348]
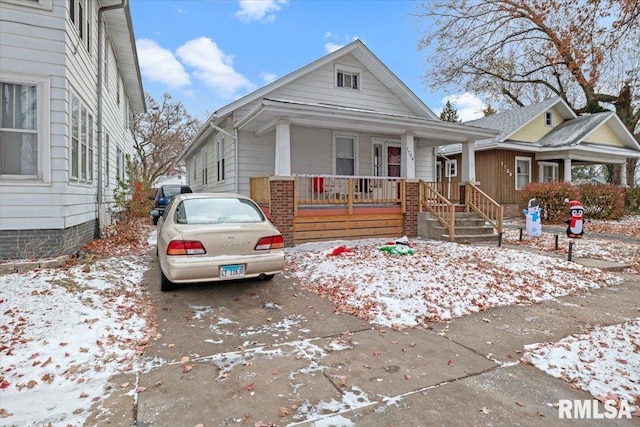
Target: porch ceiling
[267, 113]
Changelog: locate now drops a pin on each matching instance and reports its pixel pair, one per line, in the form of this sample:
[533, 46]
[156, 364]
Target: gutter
[101, 11]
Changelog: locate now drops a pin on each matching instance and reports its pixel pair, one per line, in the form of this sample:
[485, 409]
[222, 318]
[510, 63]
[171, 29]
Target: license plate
[232, 271]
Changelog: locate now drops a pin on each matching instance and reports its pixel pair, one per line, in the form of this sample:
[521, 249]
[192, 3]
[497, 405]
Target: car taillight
[270, 242]
[185, 247]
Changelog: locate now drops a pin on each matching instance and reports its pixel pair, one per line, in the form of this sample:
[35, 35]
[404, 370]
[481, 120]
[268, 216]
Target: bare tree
[161, 135]
[585, 51]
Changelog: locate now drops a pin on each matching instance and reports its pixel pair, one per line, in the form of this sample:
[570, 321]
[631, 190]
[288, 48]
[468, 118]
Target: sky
[67, 330]
[207, 53]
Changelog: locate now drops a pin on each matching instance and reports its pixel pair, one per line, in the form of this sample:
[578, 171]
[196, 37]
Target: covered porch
[309, 208]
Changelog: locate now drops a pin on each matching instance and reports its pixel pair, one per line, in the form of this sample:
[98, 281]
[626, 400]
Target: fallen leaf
[140, 389]
[520, 404]
[184, 359]
[187, 368]
[250, 387]
[450, 362]
[283, 412]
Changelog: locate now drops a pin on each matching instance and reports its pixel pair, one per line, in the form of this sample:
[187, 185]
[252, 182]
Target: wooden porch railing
[483, 205]
[260, 188]
[314, 190]
[439, 206]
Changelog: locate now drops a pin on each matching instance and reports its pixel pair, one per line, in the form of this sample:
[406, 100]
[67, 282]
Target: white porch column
[623, 175]
[567, 170]
[409, 156]
[283, 149]
[468, 162]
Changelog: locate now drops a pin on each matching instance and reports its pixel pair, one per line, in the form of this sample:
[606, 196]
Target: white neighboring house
[345, 114]
[69, 81]
[169, 180]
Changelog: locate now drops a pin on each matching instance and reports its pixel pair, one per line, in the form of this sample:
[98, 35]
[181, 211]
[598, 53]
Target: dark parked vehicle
[163, 195]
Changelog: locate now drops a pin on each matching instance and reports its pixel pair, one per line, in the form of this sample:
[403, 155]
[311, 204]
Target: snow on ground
[65, 331]
[605, 362]
[439, 281]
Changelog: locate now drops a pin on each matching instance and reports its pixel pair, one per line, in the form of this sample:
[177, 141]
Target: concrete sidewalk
[272, 354]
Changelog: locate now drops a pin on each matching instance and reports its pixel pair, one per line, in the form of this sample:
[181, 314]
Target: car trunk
[228, 239]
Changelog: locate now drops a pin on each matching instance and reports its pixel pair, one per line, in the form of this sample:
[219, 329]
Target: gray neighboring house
[69, 83]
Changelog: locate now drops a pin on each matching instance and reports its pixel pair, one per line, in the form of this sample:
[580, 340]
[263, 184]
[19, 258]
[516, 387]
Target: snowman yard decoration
[575, 222]
[533, 222]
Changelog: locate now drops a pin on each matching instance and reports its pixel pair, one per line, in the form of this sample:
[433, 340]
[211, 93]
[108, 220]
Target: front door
[387, 157]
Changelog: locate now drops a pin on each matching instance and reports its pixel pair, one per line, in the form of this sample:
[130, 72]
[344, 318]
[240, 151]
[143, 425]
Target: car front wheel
[155, 220]
[166, 284]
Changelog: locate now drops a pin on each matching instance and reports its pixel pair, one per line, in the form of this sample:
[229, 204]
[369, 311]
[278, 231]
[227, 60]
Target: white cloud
[268, 77]
[259, 10]
[332, 47]
[468, 105]
[160, 65]
[213, 67]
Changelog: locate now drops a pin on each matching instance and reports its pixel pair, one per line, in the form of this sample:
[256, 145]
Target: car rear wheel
[166, 284]
[267, 277]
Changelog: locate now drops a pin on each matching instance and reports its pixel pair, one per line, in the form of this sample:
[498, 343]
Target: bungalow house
[334, 149]
[540, 143]
[69, 81]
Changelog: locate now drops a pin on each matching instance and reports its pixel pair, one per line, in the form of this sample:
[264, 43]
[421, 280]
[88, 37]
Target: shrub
[602, 201]
[632, 200]
[550, 197]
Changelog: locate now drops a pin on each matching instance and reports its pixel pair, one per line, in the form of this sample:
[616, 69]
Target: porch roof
[266, 114]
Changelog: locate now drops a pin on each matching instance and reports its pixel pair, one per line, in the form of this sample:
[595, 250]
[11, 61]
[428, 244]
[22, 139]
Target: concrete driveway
[257, 353]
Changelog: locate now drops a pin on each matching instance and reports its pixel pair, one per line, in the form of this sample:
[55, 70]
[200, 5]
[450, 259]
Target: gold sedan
[205, 237]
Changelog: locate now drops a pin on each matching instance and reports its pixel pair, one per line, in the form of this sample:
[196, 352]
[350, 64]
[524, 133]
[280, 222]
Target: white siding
[43, 41]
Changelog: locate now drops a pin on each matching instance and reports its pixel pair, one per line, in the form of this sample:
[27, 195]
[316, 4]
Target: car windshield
[171, 191]
[217, 211]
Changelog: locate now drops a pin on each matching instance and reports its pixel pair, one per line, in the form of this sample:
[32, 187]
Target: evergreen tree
[449, 113]
[489, 110]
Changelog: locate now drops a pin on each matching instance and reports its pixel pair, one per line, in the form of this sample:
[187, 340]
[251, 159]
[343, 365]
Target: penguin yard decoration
[575, 221]
[533, 221]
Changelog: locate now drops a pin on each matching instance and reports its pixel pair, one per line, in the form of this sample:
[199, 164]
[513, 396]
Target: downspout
[101, 45]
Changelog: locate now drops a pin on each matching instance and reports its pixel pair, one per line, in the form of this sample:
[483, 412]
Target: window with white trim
[348, 77]
[107, 156]
[41, 4]
[344, 147]
[548, 118]
[119, 164]
[451, 168]
[220, 159]
[523, 172]
[20, 138]
[80, 15]
[548, 171]
[205, 169]
[81, 141]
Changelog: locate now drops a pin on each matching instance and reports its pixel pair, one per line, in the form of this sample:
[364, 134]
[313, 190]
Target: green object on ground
[397, 250]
